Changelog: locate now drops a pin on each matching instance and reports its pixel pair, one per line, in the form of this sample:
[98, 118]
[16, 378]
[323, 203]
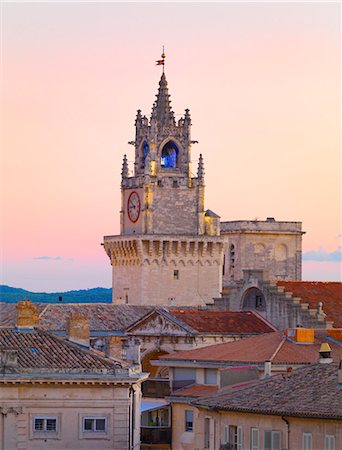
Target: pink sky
[262, 82]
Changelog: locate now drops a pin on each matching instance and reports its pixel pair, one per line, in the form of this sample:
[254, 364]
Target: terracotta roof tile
[38, 349]
[312, 292]
[103, 317]
[307, 392]
[196, 390]
[258, 349]
[230, 322]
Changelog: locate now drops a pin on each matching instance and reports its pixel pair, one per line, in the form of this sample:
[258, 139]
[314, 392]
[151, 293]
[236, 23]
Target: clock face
[133, 206]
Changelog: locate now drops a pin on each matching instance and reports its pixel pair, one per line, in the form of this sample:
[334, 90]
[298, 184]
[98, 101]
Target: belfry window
[169, 156]
[145, 150]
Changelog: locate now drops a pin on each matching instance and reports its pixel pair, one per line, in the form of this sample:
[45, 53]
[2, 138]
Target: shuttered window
[239, 439]
[329, 442]
[307, 441]
[254, 439]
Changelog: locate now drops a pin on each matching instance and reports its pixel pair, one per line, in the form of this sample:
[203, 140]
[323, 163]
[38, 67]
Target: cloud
[323, 255]
[48, 258]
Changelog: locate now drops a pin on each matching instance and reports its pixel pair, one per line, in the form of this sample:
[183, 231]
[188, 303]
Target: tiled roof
[40, 350]
[229, 322]
[306, 392]
[196, 390]
[258, 349]
[312, 292]
[103, 317]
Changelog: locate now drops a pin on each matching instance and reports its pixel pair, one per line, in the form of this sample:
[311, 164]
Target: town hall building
[171, 250]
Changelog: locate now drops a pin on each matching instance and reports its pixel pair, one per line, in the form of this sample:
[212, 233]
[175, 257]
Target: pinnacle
[161, 110]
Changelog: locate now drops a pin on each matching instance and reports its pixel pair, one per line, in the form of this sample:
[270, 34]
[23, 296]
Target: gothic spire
[161, 110]
[124, 171]
[200, 170]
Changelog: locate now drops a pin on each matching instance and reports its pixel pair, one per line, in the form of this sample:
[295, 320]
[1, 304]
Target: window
[254, 439]
[176, 274]
[210, 376]
[329, 442]
[233, 437]
[225, 434]
[307, 441]
[206, 432]
[94, 424]
[272, 440]
[169, 156]
[45, 424]
[189, 417]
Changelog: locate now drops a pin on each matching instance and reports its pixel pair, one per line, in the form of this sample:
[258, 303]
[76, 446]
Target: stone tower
[169, 250]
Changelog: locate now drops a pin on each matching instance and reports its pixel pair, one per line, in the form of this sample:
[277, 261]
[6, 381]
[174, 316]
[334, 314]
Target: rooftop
[103, 317]
[41, 352]
[257, 349]
[307, 392]
[223, 322]
[312, 292]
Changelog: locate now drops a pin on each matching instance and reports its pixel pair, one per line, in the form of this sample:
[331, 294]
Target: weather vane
[161, 62]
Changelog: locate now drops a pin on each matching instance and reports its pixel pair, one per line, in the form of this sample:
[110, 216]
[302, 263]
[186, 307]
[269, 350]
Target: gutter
[288, 432]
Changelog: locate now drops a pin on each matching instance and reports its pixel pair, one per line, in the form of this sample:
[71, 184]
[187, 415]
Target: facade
[218, 371]
[299, 411]
[271, 246]
[60, 394]
[169, 251]
[285, 303]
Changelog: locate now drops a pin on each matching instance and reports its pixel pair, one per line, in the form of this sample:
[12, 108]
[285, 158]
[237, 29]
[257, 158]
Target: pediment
[156, 324]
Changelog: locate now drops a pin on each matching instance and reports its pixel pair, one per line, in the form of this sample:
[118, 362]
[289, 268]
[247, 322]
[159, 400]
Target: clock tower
[169, 250]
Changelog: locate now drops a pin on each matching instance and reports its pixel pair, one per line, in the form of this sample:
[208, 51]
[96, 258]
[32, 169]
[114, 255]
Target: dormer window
[169, 156]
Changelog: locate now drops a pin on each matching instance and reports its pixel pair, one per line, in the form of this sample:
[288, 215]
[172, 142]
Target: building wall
[175, 209]
[181, 439]
[155, 270]
[69, 402]
[274, 247]
[185, 440]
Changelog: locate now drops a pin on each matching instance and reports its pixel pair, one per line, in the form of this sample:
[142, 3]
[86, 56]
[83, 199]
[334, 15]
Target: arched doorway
[253, 299]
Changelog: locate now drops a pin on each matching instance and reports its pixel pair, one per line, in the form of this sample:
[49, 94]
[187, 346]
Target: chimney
[133, 351]
[27, 315]
[8, 360]
[78, 329]
[114, 347]
[325, 354]
[301, 335]
[268, 368]
[340, 373]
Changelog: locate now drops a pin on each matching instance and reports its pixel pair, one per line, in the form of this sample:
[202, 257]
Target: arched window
[231, 260]
[145, 150]
[169, 156]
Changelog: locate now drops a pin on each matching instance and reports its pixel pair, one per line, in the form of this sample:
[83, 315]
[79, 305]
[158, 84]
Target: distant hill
[96, 295]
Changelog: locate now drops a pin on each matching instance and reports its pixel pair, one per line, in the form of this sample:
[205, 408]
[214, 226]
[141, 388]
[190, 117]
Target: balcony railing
[155, 435]
[156, 388]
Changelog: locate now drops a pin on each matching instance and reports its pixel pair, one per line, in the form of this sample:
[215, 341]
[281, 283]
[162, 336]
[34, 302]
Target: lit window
[169, 155]
[45, 424]
[94, 424]
[189, 418]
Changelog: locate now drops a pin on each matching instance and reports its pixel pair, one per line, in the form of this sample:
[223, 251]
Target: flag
[160, 62]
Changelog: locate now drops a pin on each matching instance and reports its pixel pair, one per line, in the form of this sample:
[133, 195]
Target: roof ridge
[278, 348]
